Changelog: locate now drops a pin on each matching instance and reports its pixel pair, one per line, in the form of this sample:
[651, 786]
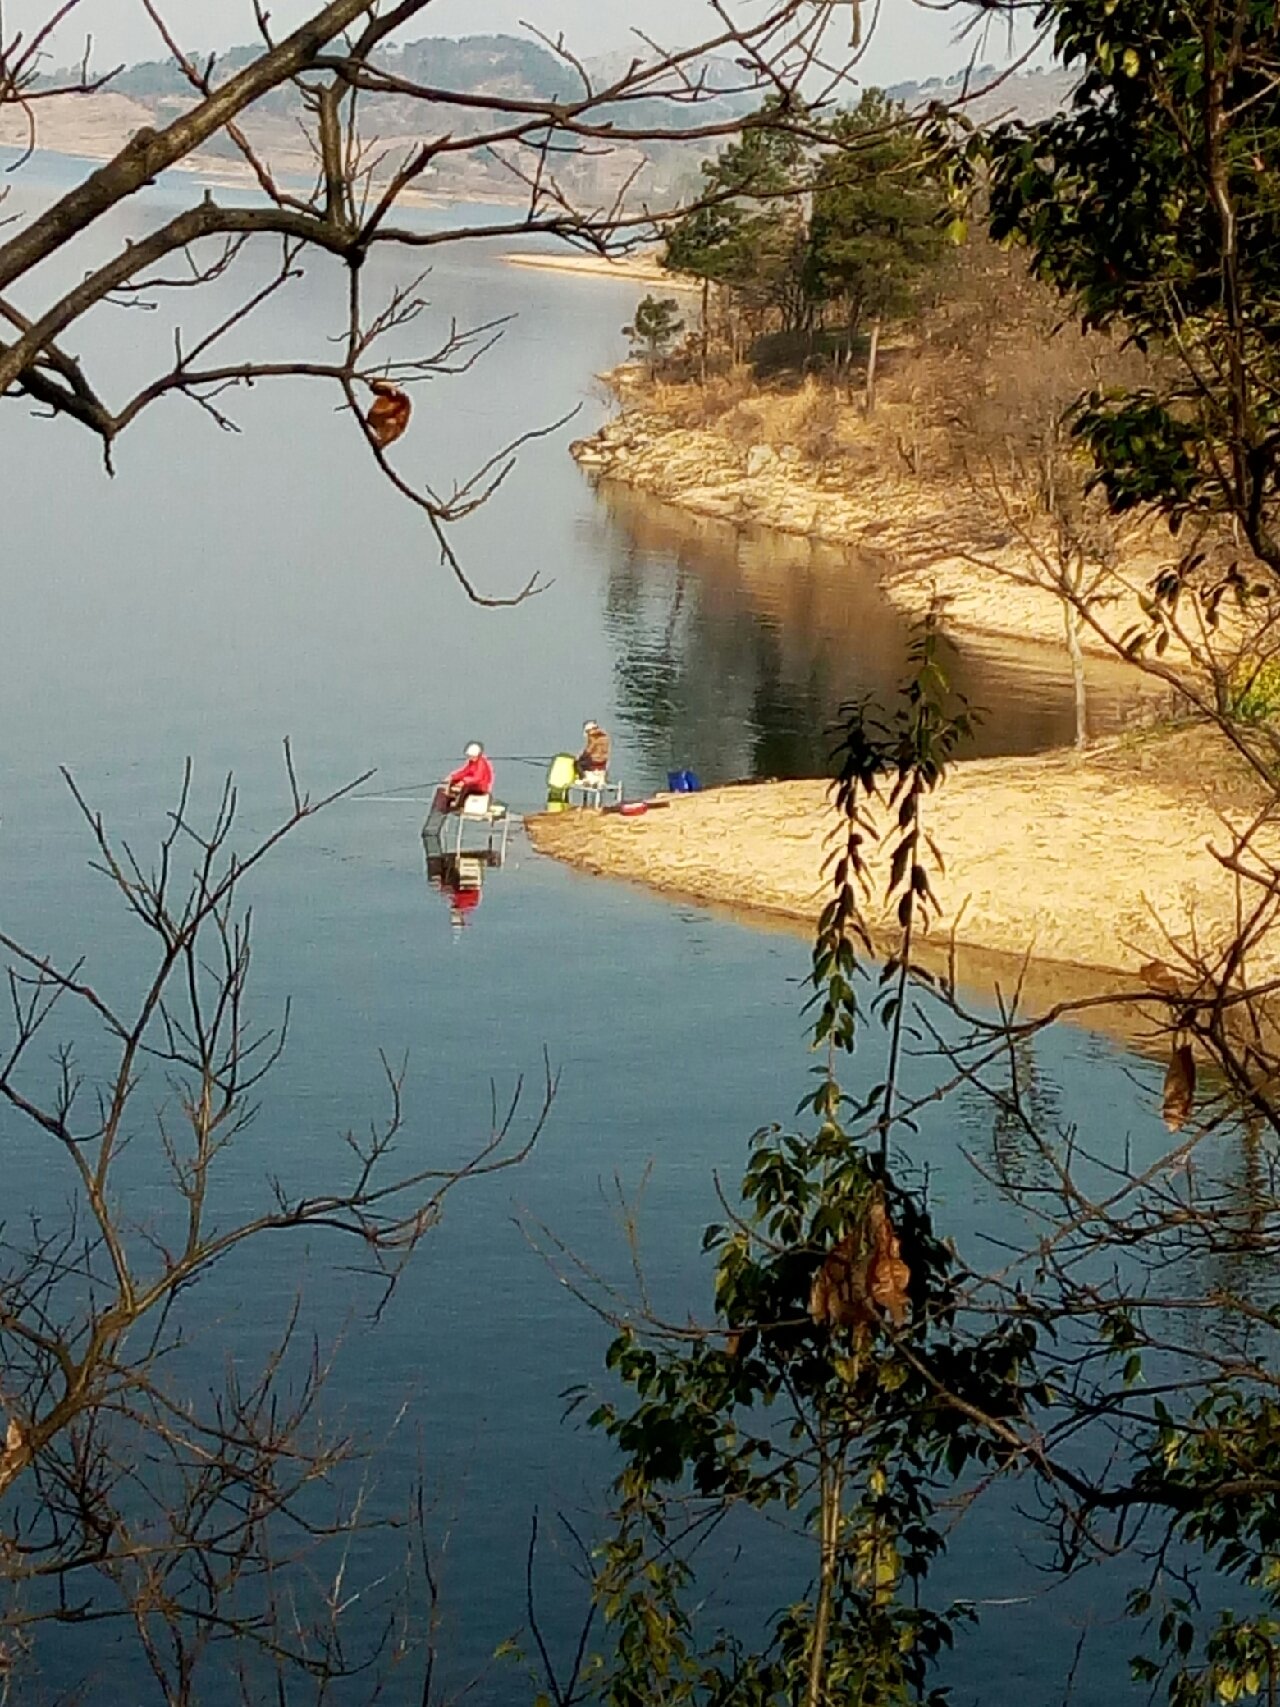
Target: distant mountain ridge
[481, 64]
[514, 65]
[1027, 95]
[647, 171]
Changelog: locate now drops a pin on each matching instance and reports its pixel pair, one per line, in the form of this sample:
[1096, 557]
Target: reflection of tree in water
[706, 687]
[705, 676]
[1013, 1109]
[1240, 1182]
[735, 650]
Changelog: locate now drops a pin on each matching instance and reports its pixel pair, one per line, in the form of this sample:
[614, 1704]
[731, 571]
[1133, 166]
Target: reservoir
[227, 590]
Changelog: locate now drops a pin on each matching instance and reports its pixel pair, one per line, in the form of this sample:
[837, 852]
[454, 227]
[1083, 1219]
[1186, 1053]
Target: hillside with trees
[488, 67]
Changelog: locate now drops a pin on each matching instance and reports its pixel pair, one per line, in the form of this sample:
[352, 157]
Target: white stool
[477, 809]
[595, 789]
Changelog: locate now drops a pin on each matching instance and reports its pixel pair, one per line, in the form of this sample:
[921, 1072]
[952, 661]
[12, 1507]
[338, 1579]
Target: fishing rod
[389, 799]
[406, 790]
[401, 791]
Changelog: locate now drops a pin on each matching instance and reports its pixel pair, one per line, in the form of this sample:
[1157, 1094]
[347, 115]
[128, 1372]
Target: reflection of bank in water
[739, 645]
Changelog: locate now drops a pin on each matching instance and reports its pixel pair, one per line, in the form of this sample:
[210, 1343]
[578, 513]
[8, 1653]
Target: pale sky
[909, 41]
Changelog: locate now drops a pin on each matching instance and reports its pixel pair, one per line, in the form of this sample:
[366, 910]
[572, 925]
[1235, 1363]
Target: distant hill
[1025, 95]
[514, 65]
[488, 64]
[499, 65]
[522, 69]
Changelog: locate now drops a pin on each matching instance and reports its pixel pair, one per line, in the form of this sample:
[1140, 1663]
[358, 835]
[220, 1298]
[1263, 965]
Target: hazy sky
[910, 41]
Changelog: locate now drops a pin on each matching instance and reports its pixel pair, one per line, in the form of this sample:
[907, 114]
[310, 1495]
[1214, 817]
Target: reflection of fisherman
[474, 776]
[593, 761]
[459, 880]
[461, 890]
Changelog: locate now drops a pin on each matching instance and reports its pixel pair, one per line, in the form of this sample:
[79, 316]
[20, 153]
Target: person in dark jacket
[593, 760]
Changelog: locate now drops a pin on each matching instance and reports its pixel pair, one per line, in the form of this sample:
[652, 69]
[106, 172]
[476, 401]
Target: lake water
[225, 591]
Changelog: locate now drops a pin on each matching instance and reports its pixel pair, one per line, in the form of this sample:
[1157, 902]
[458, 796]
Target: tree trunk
[706, 315]
[831, 1510]
[1071, 617]
[869, 401]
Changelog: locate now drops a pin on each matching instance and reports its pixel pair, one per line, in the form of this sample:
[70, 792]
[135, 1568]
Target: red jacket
[476, 776]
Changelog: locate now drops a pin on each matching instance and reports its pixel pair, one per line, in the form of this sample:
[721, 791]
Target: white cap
[473, 750]
[589, 725]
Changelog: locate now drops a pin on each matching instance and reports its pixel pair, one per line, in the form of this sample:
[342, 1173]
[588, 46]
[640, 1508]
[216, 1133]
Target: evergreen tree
[877, 223]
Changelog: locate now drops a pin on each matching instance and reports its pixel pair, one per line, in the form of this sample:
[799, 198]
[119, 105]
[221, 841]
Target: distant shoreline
[641, 269]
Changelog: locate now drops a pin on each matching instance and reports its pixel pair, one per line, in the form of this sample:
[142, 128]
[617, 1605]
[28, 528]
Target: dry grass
[912, 429]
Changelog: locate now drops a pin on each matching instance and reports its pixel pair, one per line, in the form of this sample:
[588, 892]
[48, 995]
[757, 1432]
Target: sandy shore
[1073, 863]
[96, 127]
[92, 127]
[642, 268]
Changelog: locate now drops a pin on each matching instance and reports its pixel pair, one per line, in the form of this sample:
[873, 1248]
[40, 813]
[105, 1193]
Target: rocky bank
[933, 538]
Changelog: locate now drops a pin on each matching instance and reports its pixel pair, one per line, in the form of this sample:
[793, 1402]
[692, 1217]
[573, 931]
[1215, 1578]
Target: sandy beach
[643, 268]
[1094, 863]
[91, 127]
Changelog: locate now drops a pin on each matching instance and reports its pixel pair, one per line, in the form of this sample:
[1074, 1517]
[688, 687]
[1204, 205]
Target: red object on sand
[633, 808]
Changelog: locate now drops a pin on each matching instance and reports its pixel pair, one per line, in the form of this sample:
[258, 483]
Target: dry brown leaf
[1179, 1087]
[861, 1276]
[887, 1274]
[388, 413]
[838, 1295]
[16, 1455]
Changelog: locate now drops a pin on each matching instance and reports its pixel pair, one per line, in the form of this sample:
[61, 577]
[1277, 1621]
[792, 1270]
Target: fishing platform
[478, 816]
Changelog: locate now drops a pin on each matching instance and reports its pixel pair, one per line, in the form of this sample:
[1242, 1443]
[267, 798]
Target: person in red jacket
[473, 777]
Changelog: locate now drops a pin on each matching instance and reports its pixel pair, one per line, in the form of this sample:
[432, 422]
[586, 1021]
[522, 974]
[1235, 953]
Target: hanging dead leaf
[388, 413]
[838, 1295]
[1160, 977]
[888, 1276]
[16, 1455]
[1179, 1087]
[861, 1276]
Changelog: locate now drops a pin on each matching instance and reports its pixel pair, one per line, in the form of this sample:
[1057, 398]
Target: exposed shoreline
[1082, 869]
[636, 269]
[95, 127]
[1064, 872]
[924, 533]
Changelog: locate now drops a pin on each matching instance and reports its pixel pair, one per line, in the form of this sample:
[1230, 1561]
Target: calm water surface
[225, 591]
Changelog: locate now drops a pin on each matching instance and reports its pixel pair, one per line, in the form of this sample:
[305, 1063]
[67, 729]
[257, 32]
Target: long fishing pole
[401, 791]
[406, 790]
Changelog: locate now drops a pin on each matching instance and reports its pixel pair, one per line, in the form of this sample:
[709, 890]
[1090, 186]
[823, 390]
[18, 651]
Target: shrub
[1254, 691]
